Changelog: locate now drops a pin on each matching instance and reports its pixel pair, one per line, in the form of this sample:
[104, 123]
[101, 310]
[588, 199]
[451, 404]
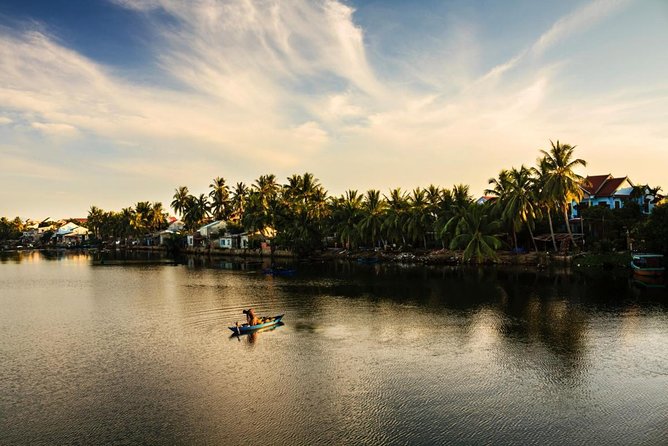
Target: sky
[111, 102]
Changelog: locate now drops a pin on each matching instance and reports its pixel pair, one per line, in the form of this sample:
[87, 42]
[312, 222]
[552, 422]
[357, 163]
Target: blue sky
[111, 102]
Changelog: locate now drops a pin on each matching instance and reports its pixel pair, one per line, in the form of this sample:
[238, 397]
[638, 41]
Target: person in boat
[251, 317]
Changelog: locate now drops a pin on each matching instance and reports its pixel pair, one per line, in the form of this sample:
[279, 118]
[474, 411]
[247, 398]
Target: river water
[368, 354]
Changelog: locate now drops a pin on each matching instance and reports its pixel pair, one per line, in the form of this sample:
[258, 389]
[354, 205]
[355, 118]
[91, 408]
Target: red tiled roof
[594, 183]
[610, 187]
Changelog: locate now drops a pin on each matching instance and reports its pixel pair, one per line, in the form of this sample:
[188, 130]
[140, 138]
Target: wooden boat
[648, 265]
[266, 322]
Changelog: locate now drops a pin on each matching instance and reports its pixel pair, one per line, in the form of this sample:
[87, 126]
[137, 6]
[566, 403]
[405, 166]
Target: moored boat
[265, 322]
[648, 265]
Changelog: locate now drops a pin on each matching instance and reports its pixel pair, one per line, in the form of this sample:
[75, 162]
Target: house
[613, 193]
[212, 229]
[484, 199]
[70, 234]
[175, 225]
[233, 241]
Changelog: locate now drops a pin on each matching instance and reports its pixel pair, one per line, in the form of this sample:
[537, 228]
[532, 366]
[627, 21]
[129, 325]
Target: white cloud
[56, 129]
[280, 87]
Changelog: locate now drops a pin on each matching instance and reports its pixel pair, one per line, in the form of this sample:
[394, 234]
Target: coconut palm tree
[196, 212]
[544, 199]
[180, 200]
[345, 216]
[519, 202]
[418, 220]
[476, 233]
[373, 211]
[157, 217]
[220, 199]
[142, 217]
[239, 197]
[460, 201]
[562, 184]
[95, 220]
[395, 216]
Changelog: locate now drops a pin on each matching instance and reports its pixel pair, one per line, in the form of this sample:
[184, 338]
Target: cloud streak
[267, 86]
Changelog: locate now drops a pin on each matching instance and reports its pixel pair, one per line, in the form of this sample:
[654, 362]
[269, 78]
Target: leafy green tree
[180, 201]
[654, 231]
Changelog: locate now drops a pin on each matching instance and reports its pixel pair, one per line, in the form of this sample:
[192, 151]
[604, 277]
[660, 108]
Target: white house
[212, 228]
[176, 226]
[233, 241]
[70, 233]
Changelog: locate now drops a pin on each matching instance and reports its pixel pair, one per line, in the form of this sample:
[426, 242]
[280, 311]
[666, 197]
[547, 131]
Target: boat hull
[245, 328]
[648, 272]
[648, 265]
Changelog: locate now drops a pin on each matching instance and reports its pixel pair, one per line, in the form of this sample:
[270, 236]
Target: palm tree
[395, 216]
[544, 199]
[157, 217]
[373, 210]
[95, 220]
[196, 212]
[301, 212]
[475, 233]
[519, 204]
[180, 201]
[459, 201]
[562, 184]
[418, 220]
[220, 199]
[142, 216]
[345, 216]
[239, 197]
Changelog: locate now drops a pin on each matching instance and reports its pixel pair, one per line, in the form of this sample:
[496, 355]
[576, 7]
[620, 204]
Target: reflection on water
[368, 354]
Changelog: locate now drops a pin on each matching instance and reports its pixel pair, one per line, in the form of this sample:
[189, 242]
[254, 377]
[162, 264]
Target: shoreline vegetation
[525, 217]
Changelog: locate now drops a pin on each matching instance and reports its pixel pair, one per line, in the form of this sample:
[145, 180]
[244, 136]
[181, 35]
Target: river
[368, 354]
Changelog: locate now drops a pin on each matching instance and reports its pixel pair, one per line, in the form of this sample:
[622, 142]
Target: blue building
[608, 191]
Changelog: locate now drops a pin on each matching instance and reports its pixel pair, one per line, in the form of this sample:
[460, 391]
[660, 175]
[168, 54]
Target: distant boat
[648, 265]
[245, 328]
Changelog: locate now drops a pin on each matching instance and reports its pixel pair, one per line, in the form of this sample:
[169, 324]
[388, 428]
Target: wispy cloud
[252, 87]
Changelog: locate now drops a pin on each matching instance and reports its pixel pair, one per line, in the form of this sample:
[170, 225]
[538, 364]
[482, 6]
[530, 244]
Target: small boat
[648, 265]
[266, 322]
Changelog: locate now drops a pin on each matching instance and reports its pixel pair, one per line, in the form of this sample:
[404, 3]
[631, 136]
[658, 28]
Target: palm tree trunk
[554, 241]
[568, 226]
[532, 239]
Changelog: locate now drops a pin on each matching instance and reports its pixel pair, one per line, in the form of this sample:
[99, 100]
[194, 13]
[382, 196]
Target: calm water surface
[141, 354]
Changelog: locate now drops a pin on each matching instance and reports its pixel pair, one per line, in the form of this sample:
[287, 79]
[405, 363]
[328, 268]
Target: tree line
[300, 215]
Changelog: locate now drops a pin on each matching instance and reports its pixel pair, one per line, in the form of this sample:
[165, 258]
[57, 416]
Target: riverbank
[539, 260]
